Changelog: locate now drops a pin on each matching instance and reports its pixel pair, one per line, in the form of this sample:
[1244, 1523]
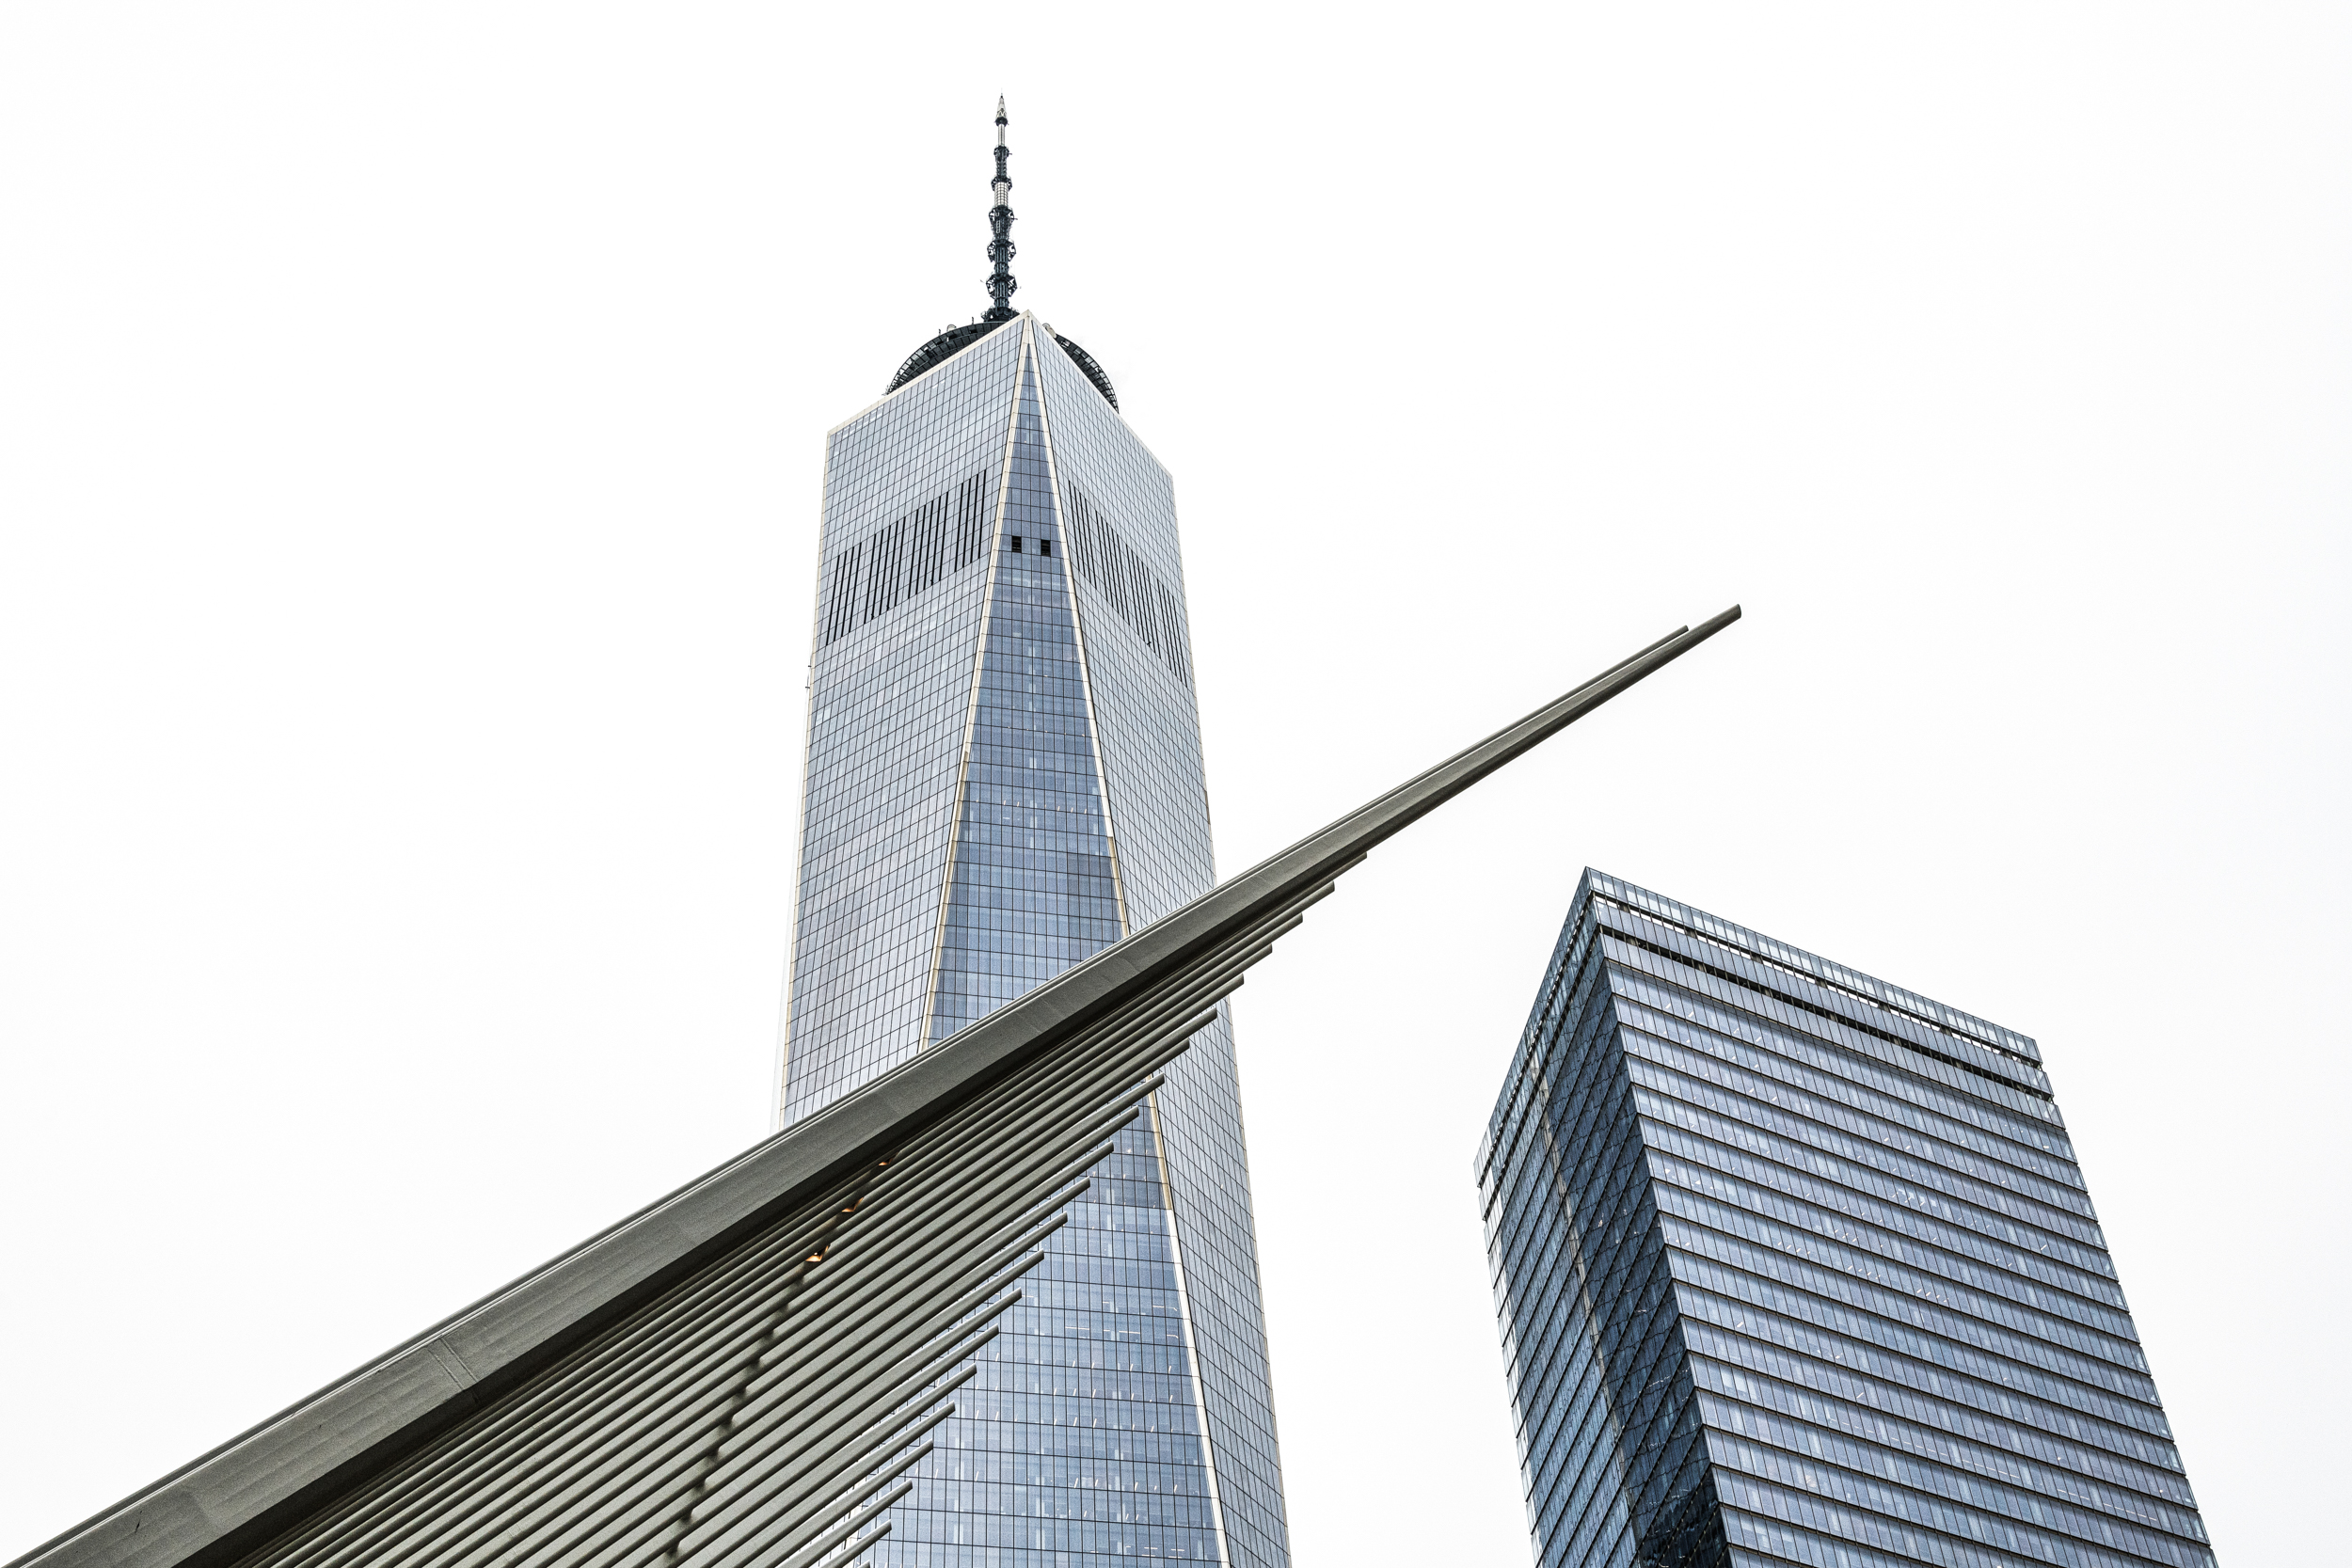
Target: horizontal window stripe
[1869, 1229]
[1798, 1141]
[1938, 1478]
[1752, 1471]
[1853, 1275]
[1996, 1419]
[1648, 1003]
[1836, 1333]
[2003, 1463]
[2021, 1114]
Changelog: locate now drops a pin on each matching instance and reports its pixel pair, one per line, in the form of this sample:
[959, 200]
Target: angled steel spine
[746, 1372]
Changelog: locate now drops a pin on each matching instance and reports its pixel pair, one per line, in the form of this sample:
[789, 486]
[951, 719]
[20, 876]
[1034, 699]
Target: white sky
[410, 424]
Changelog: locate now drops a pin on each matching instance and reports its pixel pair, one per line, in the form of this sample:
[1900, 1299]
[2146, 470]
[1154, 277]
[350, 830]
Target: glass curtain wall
[1796, 1266]
[1032, 708]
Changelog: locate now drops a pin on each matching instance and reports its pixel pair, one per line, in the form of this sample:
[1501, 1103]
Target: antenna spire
[1000, 281]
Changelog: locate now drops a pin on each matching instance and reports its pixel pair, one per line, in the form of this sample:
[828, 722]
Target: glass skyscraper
[1004, 777]
[1795, 1266]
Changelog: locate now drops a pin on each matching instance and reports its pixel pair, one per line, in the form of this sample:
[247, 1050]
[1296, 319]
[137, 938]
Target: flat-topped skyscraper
[1004, 776]
[1796, 1266]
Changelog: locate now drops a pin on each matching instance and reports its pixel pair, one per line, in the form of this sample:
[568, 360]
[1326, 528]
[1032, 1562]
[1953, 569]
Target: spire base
[1000, 287]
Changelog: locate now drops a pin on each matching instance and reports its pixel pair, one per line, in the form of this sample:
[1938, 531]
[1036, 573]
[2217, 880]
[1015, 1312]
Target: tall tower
[1004, 776]
[1796, 1267]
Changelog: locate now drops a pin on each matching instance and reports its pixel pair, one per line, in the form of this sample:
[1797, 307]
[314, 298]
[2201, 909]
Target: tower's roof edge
[955, 340]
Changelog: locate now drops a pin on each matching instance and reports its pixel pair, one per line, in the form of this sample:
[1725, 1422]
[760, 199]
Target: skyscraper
[1004, 776]
[1794, 1265]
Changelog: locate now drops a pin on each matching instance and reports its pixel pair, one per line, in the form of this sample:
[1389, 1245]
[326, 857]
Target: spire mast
[1000, 281]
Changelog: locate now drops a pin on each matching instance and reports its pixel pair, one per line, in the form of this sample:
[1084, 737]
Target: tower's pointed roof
[1001, 284]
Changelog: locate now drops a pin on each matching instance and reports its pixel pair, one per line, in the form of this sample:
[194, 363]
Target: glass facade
[1795, 1266]
[1004, 777]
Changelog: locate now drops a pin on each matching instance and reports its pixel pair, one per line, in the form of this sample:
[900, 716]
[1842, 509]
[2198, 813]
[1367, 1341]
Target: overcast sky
[411, 425]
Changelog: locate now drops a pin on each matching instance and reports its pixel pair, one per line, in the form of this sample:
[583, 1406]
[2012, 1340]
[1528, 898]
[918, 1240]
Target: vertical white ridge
[972, 701]
[1192, 1350]
[1077, 629]
[1119, 886]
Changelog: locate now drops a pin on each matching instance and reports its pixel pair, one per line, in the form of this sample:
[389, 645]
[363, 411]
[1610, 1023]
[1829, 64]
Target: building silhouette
[1004, 776]
[1795, 1266]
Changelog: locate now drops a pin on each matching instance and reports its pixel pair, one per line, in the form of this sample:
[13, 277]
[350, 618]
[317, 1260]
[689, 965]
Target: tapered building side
[1004, 777]
[1795, 1266]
